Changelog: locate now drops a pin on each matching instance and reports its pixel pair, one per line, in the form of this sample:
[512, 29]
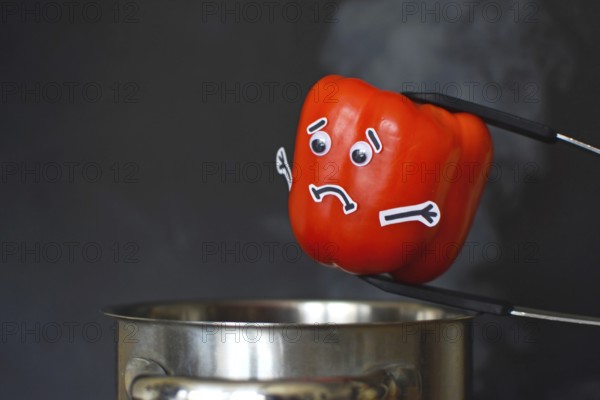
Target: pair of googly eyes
[360, 152]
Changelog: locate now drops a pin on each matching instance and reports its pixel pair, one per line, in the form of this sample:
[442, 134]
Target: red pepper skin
[427, 154]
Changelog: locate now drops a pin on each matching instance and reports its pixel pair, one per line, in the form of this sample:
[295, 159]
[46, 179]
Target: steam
[497, 53]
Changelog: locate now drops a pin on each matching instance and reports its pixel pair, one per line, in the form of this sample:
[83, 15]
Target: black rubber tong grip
[501, 119]
[442, 296]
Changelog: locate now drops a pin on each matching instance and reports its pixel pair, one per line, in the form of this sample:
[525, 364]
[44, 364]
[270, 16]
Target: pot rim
[127, 312]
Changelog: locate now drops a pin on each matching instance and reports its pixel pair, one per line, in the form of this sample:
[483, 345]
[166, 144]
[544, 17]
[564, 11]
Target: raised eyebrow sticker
[374, 140]
[315, 126]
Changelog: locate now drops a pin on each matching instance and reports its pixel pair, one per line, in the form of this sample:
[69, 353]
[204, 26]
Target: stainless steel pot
[292, 350]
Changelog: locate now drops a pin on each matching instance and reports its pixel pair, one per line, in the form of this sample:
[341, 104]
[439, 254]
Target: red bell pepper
[382, 184]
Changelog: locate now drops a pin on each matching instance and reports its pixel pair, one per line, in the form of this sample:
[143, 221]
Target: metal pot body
[291, 350]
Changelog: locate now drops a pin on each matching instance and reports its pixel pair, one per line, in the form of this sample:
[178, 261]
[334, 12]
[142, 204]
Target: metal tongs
[500, 119]
[464, 301]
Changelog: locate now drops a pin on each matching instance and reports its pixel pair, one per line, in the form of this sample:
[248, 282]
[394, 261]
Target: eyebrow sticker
[374, 140]
[315, 126]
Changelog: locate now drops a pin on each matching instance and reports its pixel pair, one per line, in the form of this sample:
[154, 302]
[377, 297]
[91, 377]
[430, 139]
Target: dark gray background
[173, 203]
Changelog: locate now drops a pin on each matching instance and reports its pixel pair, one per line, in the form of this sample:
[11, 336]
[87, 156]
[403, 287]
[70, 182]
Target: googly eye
[361, 154]
[320, 143]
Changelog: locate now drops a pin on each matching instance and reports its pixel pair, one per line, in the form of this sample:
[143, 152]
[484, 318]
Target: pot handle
[386, 383]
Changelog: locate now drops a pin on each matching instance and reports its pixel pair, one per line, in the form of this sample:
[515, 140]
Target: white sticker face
[361, 154]
[427, 213]
[373, 138]
[320, 143]
[316, 126]
[319, 192]
[282, 166]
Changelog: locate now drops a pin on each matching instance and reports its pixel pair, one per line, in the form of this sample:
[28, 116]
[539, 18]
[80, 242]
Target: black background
[186, 194]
